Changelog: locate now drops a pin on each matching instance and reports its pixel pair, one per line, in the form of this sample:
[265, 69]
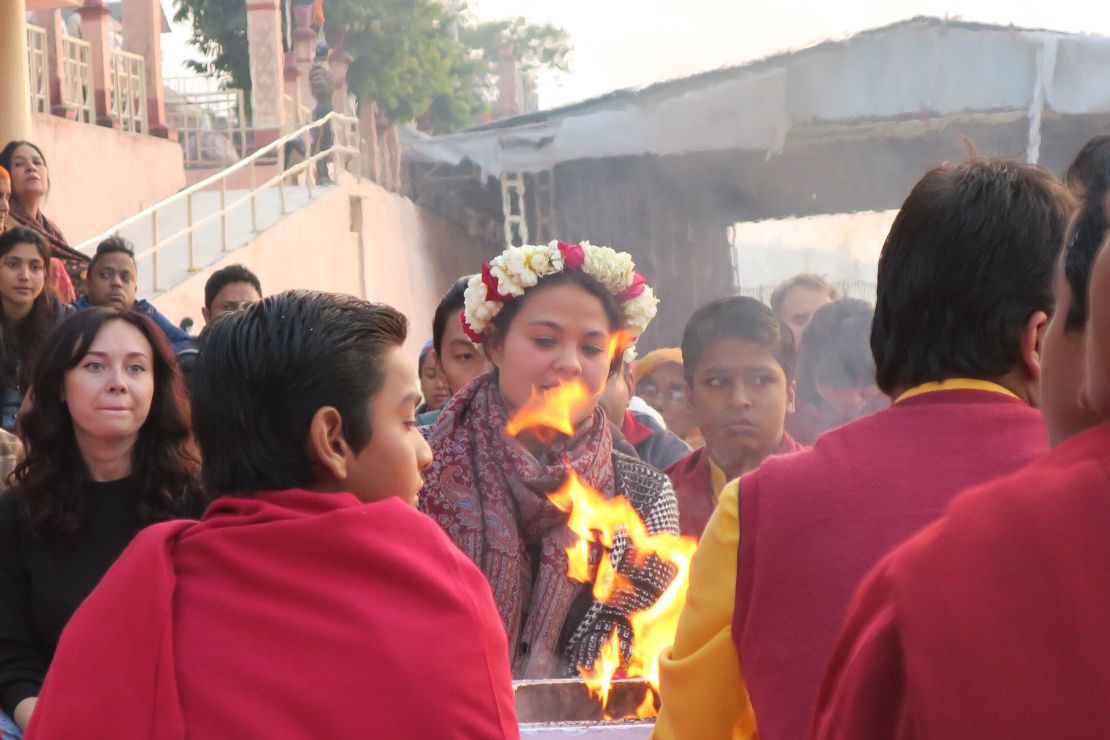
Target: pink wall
[357, 239]
[100, 176]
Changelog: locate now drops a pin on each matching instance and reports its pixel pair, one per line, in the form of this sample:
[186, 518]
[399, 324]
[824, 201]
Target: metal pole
[281, 176]
[254, 208]
[223, 214]
[154, 251]
[189, 225]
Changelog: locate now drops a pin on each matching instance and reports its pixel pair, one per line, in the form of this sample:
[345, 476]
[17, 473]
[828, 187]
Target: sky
[633, 43]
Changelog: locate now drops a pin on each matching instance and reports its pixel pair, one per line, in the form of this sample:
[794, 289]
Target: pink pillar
[142, 34]
[293, 90]
[95, 31]
[267, 67]
[304, 49]
[340, 62]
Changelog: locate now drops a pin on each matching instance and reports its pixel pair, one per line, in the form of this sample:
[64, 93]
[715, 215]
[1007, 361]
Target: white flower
[639, 311]
[610, 268]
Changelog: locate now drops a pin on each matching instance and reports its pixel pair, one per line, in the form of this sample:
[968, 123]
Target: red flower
[492, 293]
[639, 282]
[573, 255]
[469, 330]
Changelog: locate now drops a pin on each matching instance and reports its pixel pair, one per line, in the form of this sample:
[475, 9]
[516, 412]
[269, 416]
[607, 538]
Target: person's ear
[1032, 339]
[204, 313]
[791, 397]
[327, 446]
[629, 380]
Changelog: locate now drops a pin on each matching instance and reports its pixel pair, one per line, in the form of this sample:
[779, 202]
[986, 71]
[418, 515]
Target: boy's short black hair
[968, 260]
[449, 308]
[226, 276]
[834, 348]
[738, 317]
[112, 245]
[1089, 179]
[267, 370]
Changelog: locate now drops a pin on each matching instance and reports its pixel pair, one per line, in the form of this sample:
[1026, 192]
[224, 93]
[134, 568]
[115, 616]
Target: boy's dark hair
[1089, 178]
[801, 280]
[449, 308]
[112, 245]
[834, 348]
[738, 317]
[968, 260]
[226, 276]
[266, 371]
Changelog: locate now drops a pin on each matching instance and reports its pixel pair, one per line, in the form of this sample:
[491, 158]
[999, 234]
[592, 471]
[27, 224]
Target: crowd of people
[282, 527]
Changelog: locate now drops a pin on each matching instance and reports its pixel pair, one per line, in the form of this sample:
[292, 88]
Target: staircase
[181, 235]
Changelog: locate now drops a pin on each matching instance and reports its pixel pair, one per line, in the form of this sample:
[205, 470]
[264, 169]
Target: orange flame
[647, 706]
[595, 519]
[619, 342]
[551, 411]
[599, 679]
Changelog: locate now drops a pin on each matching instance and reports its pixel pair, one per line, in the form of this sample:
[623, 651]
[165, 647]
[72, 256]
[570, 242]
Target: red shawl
[284, 615]
[65, 261]
[694, 488]
[990, 624]
[489, 493]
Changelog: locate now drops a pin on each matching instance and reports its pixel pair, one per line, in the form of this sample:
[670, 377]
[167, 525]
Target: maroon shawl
[67, 265]
[489, 494]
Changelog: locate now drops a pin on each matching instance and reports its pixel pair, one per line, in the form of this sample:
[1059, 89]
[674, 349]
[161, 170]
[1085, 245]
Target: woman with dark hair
[30, 185]
[109, 450]
[546, 315]
[28, 311]
[836, 372]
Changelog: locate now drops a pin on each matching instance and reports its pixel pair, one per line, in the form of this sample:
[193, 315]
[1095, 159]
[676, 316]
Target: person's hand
[23, 709]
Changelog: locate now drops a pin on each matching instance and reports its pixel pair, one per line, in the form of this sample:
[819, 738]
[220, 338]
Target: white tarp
[921, 69]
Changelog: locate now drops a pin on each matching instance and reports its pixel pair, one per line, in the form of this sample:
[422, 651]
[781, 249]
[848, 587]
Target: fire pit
[563, 708]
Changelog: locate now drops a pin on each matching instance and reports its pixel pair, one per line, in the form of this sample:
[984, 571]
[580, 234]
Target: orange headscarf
[646, 365]
[5, 176]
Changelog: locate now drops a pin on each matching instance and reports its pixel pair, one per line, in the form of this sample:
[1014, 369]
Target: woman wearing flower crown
[545, 315]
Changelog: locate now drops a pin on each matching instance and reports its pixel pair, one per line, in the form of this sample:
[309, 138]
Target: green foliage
[219, 33]
[417, 59]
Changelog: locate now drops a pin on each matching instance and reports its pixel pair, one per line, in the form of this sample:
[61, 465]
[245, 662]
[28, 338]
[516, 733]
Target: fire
[595, 519]
[551, 411]
[599, 679]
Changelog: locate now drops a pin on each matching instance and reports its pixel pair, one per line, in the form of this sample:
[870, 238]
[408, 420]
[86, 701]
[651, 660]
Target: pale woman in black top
[109, 451]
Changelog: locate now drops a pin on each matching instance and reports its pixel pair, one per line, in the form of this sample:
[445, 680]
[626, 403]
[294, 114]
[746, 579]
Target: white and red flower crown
[516, 269]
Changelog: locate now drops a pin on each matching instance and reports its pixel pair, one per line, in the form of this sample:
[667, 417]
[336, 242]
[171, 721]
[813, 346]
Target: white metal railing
[38, 69]
[127, 90]
[77, 91]
[345, 153]
[211, 126]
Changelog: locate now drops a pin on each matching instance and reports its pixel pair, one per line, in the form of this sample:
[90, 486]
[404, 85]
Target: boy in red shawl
[739, 363]
[991, 623]
[312, 600]
[964, 291]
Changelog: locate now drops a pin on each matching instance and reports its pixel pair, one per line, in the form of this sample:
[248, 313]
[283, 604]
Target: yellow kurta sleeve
[703, 691]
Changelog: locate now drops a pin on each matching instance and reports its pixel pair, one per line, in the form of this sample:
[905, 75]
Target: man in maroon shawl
[964, 293]
[312, 600]
[991, 623]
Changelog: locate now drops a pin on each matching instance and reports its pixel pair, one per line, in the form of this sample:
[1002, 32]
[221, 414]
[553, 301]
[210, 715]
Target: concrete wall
[100, 176]
[357, 239]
